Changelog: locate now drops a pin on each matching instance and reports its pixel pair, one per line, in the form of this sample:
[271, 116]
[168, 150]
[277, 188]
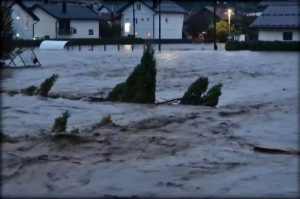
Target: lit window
[149, 34]
[127, 27]
[18, 18]
[18, 35]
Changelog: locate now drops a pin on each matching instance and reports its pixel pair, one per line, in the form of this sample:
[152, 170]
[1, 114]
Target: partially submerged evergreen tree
[141, 84]
[47, 85]
[60, 123]
[29, 90]
[197, 95]
[43, 90]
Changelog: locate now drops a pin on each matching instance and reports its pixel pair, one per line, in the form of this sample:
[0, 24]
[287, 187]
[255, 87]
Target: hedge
[102, 41]
[263, 45]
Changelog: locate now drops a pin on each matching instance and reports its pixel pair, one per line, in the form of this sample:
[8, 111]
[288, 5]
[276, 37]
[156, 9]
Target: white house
[279, 22]
[24, 21]
[146, 20]
[65, 21]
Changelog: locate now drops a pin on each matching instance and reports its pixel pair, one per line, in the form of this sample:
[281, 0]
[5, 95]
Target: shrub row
[263, 45]
[102, 41]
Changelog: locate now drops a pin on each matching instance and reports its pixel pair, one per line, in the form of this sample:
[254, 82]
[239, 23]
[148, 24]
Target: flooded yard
[165, 150]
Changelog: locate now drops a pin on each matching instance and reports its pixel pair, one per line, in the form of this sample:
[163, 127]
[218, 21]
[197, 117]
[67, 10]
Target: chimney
[64, 6]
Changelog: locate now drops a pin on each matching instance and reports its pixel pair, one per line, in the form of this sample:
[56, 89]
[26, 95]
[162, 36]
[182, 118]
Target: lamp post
[159, 24]
[229, 14]
[215, 44]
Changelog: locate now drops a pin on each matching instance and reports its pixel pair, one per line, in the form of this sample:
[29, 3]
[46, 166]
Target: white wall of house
[171, 25]
[83, 28]
[46, 26]
[147, 25]
[144, 24]
[277, 35]
[22, 23]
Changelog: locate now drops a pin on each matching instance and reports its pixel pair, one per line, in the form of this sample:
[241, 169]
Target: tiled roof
[278, 2]
[74, 11]
[284, 16]
[166, 6]
[170, 7]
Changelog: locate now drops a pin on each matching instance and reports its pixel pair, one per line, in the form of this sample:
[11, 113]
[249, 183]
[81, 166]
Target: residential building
[65, 21]
[142, 19]
[279, 22]
[24, 21]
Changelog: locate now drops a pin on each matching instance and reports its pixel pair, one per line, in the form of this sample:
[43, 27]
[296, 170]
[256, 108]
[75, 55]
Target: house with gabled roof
[142, 19]
[65, 21]
[24, 21]
[280, 21]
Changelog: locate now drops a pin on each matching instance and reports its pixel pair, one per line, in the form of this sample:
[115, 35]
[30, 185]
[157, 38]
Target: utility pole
[133, 18]
[215, 34]
[159, 28]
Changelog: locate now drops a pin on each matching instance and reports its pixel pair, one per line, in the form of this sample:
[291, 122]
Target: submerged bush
[47, 85]
[29, 90]
[60, 123]
[106, 121]
[211, 98]
[197, 95]
[141, 84]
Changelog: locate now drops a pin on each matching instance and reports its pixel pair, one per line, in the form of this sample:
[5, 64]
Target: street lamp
[229, 13]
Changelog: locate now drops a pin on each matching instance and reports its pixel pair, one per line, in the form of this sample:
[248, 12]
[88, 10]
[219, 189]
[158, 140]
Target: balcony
[64, 31]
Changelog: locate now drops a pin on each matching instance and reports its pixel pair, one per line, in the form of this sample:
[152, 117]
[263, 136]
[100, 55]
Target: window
[127, 27]
[18, 15]
[148, 19]
[166, 20]
[138, 6]
[91, 32]
[149, 34]
[74, 31]
[27, 22]
[142, 19]
[287, 36]
[127, 19]
[136, 21]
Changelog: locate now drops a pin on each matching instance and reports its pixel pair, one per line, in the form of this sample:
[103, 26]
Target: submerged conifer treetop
[140, 86]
